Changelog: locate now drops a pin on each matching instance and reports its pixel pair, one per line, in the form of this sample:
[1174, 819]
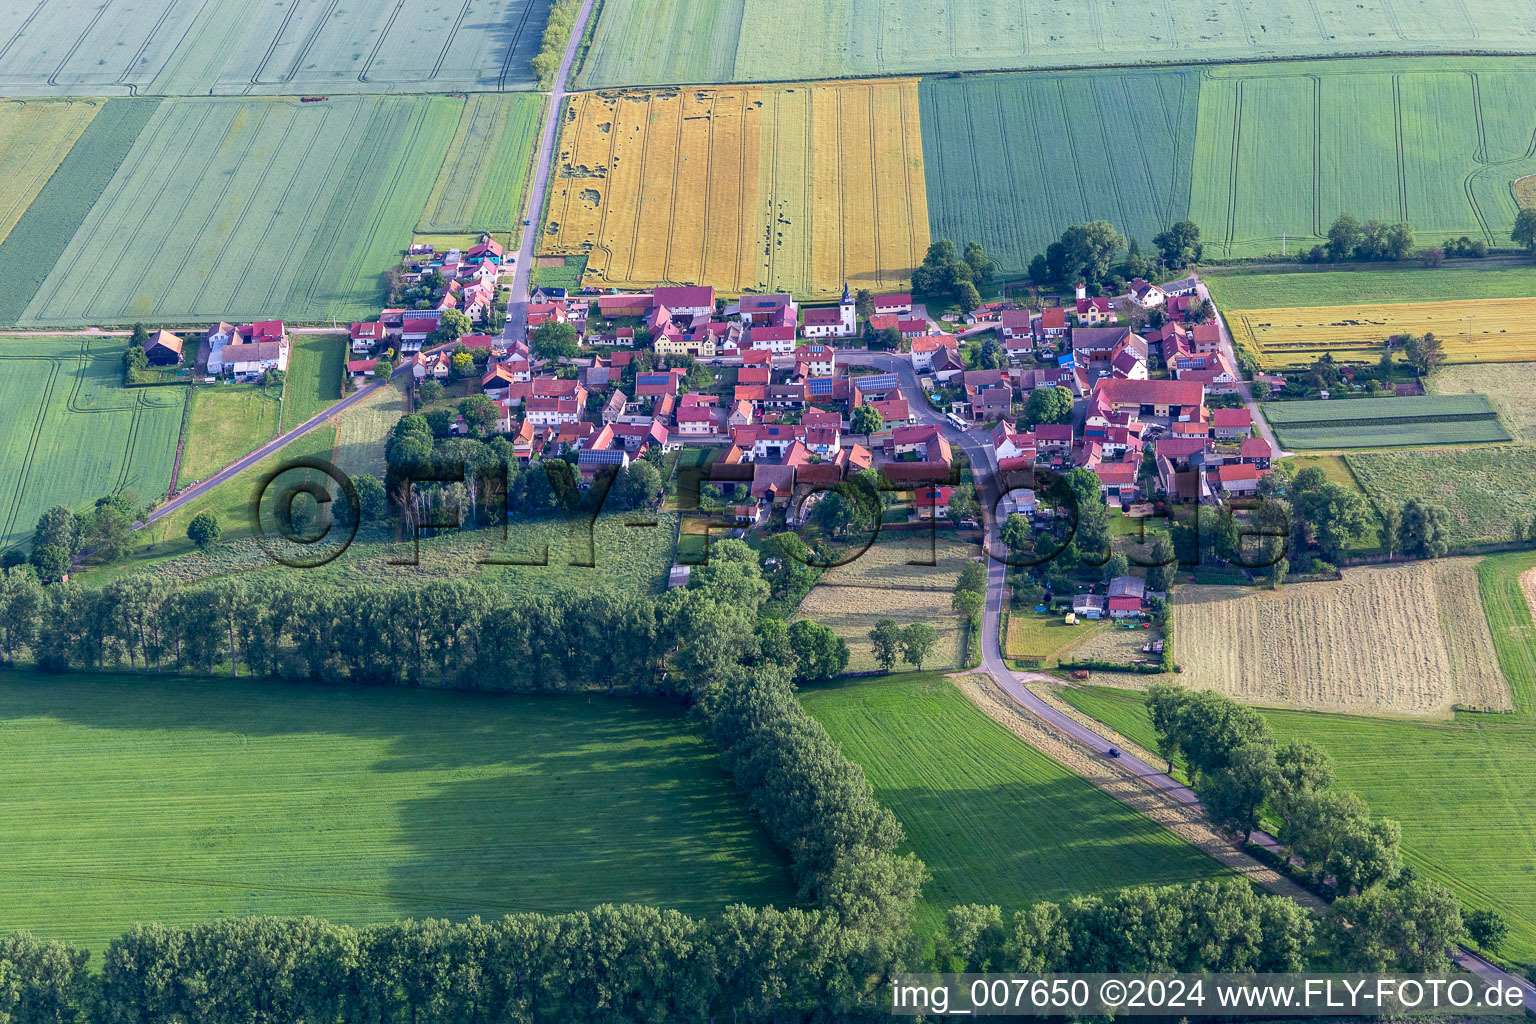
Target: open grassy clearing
[33, 243]
[1509, 387]
[1486, 490]
[1383, 422]
[1405, 640]
[34, 139]
[245, 209]
[995, 820]
[887, 564]
[1047, 638]
[70, 433]
[1366, 283]
[1461, 789]
[851, 612]
[362, 430]
[481, 184]
[1473, 330]
[1435, 142]
[997, 150]
[797, 187]
[232, 47]
[316, 365]
[227, 420]
[657, 43]
[128, 799]
[561, 272]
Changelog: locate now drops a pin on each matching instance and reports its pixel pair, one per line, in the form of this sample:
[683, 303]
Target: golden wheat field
[1474, 331]
[852, 612]
[749, 188]
[35, 137]
[1394, 640]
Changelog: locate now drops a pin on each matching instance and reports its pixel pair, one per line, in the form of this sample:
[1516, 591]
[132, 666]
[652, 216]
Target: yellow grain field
[1392, 640]
[35, 137]
[748, 188]
[852, 612]
[1474, 331]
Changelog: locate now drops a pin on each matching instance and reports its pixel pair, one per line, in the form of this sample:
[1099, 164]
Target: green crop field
[659, 42]
[1485, 490]
[1283, 149]
[1360, 285]
[1461, 789]
[995, 820]
[1385, 422]
[227, 420]
[34, 139]
[1008, 162]
[71, 433]
[234, 47]
[316, 366]
[44, 229]
[237, 210]
[129, 799]
[481, 183]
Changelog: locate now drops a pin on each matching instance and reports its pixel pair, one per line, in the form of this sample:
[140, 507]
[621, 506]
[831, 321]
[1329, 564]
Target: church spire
[847, 295]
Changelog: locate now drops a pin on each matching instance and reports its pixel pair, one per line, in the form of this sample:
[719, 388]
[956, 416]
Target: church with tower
[832, 322]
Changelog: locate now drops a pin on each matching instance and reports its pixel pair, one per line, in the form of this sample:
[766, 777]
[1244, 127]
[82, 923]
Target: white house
[832, 323]
[778, 340]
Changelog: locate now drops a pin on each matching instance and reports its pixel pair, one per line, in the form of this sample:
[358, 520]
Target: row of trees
[1349, 239]
[1092, 253]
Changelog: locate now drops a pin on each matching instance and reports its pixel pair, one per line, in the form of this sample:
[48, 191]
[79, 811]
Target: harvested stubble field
[232, 209]
[852, 612]
[994, 819]
[658, 42]
[1445, 135]
[33, 243]
[792, 188]
[1486, 490]
[1384, 422]
[1473, 331]
[991, 142]
[235, 47]
[70, 432]
[1509, 387]
[1398, 640]
[481, 183]
[1461, 789]
[34, 139]
[130, 799]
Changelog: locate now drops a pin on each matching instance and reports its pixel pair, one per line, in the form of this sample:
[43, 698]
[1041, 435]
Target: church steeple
[847, 295]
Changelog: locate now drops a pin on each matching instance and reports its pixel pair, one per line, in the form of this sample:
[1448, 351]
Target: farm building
[163, 349]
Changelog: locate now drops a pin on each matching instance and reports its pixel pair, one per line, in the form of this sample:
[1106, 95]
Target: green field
[1008, 162]
[1385, 422]
[71, 433]
[224, 47]
[646, 42]
[44, 229]
[1361, 285]
[1485, 490]
[480, 185]
[237, 210]
[128, 799]
[34, 139]
[1282, 149]
[316, 366]
[1462, 789]
[995, 820]
[227, 421]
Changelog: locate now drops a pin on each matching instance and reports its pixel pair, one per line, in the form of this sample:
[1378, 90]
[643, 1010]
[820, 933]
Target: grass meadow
[227, 420]
[222, 47]
[790, 187]
[1461, 789]
[1484, 489]
[70, 433]
[240, 209]
[130, 799]
[1509, 387]
[995, 820]
[43, 230]
[700, 41]
[316, 365]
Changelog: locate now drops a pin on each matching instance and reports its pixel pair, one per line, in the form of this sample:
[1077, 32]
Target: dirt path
[1185, 821]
